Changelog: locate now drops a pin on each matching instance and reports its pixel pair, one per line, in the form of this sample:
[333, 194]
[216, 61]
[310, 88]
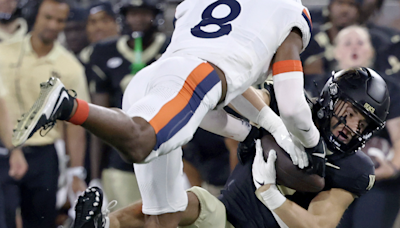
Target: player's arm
[249, 105]
[288, 85]
[325, 210]
[17, 161]
[254, 105]
[6, 127]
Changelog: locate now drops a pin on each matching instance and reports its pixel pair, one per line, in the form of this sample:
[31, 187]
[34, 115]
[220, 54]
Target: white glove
[263, 172]
[291, 145]
[271, 122]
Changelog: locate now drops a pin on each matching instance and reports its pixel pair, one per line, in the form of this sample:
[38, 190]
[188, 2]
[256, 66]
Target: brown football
[288, 174]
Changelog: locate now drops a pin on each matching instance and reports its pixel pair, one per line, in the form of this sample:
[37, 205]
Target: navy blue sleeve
[354, 173]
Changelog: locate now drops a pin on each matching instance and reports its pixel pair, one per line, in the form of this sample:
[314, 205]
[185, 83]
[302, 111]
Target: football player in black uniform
[380, 206]
[352, 106]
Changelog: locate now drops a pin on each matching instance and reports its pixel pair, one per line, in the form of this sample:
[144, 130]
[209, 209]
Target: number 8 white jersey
[239, 36]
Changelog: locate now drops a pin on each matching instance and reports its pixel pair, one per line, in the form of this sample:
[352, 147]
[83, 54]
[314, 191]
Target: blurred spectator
[394, 21]
[353, 48]
[29, 11]
[381, 36]
[113, 63]
[74, 31]
[319, 56]
[17, 163]
[101, 23]
[369, 9]
[388, 61]
[23, 66]
[379, 207]
[12, 26]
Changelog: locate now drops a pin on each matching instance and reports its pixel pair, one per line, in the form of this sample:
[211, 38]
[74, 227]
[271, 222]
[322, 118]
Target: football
[288, 174]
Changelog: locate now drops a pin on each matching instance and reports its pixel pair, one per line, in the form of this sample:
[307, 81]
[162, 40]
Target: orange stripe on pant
[285, 66]
[174, 106]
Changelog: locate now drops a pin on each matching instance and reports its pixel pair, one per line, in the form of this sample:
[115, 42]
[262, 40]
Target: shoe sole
[89, 196]
[42, 105]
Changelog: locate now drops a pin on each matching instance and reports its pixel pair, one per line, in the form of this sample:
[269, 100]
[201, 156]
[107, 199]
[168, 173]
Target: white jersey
[239, 36]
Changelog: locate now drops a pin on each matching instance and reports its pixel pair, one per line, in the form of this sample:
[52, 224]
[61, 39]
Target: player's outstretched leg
[133, 137]
[88, 210]
[54, 103]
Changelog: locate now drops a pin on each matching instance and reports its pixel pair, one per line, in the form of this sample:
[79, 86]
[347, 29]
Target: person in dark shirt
[101, 25]
[352, 106]
[75, 37]
[319, 57]
[388, 61]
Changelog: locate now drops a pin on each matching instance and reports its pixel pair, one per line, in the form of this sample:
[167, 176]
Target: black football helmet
[156, 6]
[365, 90]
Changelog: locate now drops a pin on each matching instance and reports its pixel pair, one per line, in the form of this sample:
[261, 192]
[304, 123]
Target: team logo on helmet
[369, 108]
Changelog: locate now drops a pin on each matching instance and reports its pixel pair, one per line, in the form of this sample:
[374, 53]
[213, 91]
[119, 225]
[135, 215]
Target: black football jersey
[354, 173]
[388, 62]
[381, 36]
[111, 61]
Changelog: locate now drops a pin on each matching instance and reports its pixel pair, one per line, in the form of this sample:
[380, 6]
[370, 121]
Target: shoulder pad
[354, 173]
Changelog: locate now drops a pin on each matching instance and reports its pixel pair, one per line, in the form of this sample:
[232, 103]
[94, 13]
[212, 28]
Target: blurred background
[101, 45]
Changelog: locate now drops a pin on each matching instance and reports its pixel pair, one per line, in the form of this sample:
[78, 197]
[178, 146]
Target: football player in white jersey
[218, 50]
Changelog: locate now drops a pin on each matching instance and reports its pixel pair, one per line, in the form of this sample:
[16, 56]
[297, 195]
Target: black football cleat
[88, 210]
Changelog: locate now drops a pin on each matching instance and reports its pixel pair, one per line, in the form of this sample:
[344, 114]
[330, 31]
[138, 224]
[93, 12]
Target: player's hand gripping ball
[290, 175]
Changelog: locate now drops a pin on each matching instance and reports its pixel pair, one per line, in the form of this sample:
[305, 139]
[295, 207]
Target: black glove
[316, 157]
[247, 148]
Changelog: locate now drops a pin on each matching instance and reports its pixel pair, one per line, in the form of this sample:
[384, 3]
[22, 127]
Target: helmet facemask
[348, 127]
[347, 94]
